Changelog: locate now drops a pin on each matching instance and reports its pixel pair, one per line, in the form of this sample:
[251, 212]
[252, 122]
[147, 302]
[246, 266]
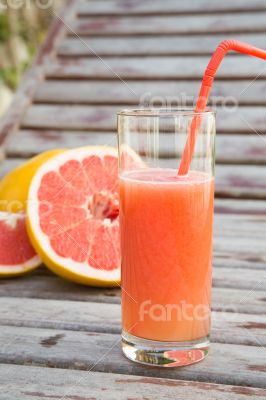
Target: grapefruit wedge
[73, 215]
[17, 255]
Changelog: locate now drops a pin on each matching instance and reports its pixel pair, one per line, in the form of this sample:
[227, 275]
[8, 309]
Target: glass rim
[163, 112]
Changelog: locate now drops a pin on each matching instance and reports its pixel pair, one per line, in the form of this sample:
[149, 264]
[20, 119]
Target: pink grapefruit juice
[166, 245]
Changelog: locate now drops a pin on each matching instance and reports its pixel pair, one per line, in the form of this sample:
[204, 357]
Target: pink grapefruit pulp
[73, 215]
[17, 255]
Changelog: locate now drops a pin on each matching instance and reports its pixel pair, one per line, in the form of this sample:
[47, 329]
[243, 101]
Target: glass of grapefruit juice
[166, 224]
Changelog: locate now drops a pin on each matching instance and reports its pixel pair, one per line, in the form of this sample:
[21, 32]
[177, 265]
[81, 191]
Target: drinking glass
[166, 235]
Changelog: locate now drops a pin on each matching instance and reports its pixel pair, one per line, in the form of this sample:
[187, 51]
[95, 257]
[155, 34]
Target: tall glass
[166, 236]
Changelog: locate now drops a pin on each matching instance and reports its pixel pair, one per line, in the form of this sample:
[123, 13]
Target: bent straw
[205, 89]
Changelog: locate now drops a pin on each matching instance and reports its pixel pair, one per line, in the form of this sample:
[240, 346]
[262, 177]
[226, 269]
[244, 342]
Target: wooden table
[59, 340]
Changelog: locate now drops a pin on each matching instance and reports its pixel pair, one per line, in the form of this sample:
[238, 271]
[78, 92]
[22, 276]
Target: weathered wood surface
[247, 207]
[48, 286]
[244, 277]
[241, 181]
[11, 120]
[160, 49]
[227, 327]
[27, 143]
[150, 93]
[150, 7]
[239, 278]
[149, 45]
[101, 352]
[151, 68]
[35, 383]
[103, 118]
[175, 25]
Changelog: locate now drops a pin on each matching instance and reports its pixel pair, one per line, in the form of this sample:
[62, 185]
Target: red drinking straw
[205, 89]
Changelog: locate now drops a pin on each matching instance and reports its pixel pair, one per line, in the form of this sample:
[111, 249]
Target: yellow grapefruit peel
[14, 186]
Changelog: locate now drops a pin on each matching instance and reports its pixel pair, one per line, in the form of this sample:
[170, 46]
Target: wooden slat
[228, 226]
[151, 68]
[26, 143]
[150, 93]
[242, 301]
[19, 104]
[240, 207]
[239, 241]
[150, 45]
[225, 276]
[229, 263]
[103, 118]
[35, 383]
[241, 181]
[48, 286]
[227, 327]
[182, 25]
[242, 278]
[251, 149]
[101, 351]
[151, 7]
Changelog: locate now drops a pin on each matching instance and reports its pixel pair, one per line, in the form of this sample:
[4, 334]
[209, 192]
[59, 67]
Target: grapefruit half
[17, 255]
[73, 214]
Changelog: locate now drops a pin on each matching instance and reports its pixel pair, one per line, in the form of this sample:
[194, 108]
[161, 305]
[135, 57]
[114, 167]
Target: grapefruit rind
[66, 267]
[8, 271]
[14, 186]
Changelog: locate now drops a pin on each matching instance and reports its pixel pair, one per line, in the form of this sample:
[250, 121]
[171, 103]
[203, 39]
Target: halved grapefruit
[17, 255]
[73, 215]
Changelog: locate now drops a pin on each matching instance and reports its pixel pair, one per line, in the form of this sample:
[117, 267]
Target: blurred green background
[22, 30]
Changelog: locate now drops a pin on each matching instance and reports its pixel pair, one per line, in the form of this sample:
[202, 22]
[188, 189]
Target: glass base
[164, 354]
